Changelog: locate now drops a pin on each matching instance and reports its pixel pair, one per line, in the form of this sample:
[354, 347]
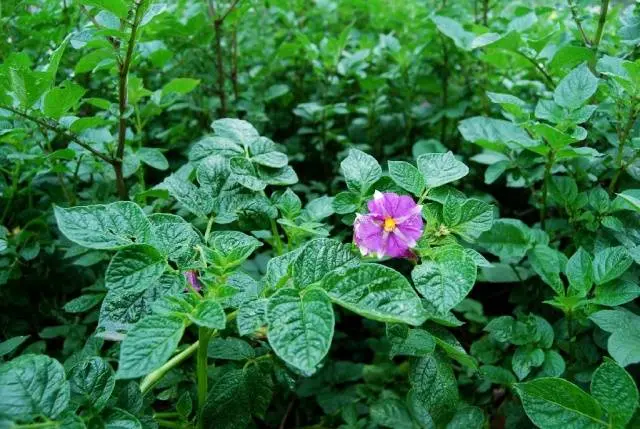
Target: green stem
[150, 380]
[276, 237]
[207, 232]
[622, 140]
[576, 18]
[546, 75]
[202, 375]
[166, 415]
[545, 187]
[38, 425]
[604, 8]
[169, 424]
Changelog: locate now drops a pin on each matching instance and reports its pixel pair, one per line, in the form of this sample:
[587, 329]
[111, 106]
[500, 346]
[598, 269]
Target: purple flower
[392, 226]
[192, 278]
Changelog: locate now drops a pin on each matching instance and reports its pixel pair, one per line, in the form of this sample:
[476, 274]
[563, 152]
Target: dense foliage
[180, 183]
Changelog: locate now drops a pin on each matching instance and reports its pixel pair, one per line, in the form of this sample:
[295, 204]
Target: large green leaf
[624, 342]
[616, 391]
[300, 326]
[610, 263]
[92, 382]
[554, 403]
[173, 236]
[109, 226]
[376, 292]
[434, 387]
[318, 258]
[508, 239]
[32, 386]
[407, 177]
[576, 88]
[468, 219]
[447, 279]
[149, 344]
[579, 271]
[134, 269]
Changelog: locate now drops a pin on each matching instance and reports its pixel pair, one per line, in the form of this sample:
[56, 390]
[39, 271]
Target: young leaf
[610, 263]
[407, 177]
[616, 391]
[360, 171]
[548, 263]
[525, 359]
[579, 271]
[556, 403]
[11, 344]
[33, 386]
[173, 236]
[468, 219]
[447, 279]
[228, 249]
[440, 168]
[148, 345]
[300, 327]
[110, 226]
[208, 313]
[376, 292]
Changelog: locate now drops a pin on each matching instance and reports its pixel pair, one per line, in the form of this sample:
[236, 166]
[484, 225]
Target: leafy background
[515, 123]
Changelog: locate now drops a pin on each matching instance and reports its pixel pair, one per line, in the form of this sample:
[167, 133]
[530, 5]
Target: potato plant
[350, 214]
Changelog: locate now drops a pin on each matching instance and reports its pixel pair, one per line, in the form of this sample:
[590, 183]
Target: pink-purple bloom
[391, 228]
[192, 278]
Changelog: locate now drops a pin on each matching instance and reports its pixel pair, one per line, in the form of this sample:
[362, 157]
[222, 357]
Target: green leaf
[230, 349]
[375, 292]
[209, 314]
[181, 85]
[134, 268]
[11, 344]
[495, 134]
[318, 258]
[616, 391]
[109, 226]
[497, 375]
[553, 366]
[508, 239]
[576, 88]
[148, 345]
[265, 152]
[153, 157]
[245, 174]
[467, 417]
[453, 29]
[434, 387]
[346, 202]
[468, 219]
[360, 171]
[252, 316]
[173, 236]
[548, 263]
[525, 359]
[83, 303]
[115, 418]
[33, 386]
[447, 279]
[624, 342]
[407, 177]
[235, 396]
[229, 249]
[610, 263]
[300, 327]
[452, 347]
[554, 137]
[391, 413]
[440, 168]
[239, 131]
[118, 7]
[92, 382]
[194, 199]
[615, 293]
[579, 272]
[59, 100]
[555, 403]
[409, 342]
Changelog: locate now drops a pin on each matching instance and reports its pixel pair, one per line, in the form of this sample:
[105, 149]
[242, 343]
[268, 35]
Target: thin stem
[150, 380]
[576, 18]
[122, 101]
[546, 75]
[277, 242]
[445, 87]
[622, 140]
[166, 415]
[38, 425]
[485, 12]
[201, 371]
[58, 130]
[234, 62]
[545, 187]
[604, 8]
[217, 28]
[169, 424]
[207, 232]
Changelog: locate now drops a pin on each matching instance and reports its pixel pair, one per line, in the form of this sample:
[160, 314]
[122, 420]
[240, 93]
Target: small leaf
[209, 314]
[610, 264]
[576, 88]
[407, 177]
[360, 171]
[317, 259]
[11, 344]
[134, 268]
[440, 168]
[92, 382]
[579, 271]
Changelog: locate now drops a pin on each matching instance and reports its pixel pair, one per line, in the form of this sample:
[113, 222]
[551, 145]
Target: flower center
[389, 224]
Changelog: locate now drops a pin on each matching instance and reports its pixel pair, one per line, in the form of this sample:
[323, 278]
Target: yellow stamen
[389, 224]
